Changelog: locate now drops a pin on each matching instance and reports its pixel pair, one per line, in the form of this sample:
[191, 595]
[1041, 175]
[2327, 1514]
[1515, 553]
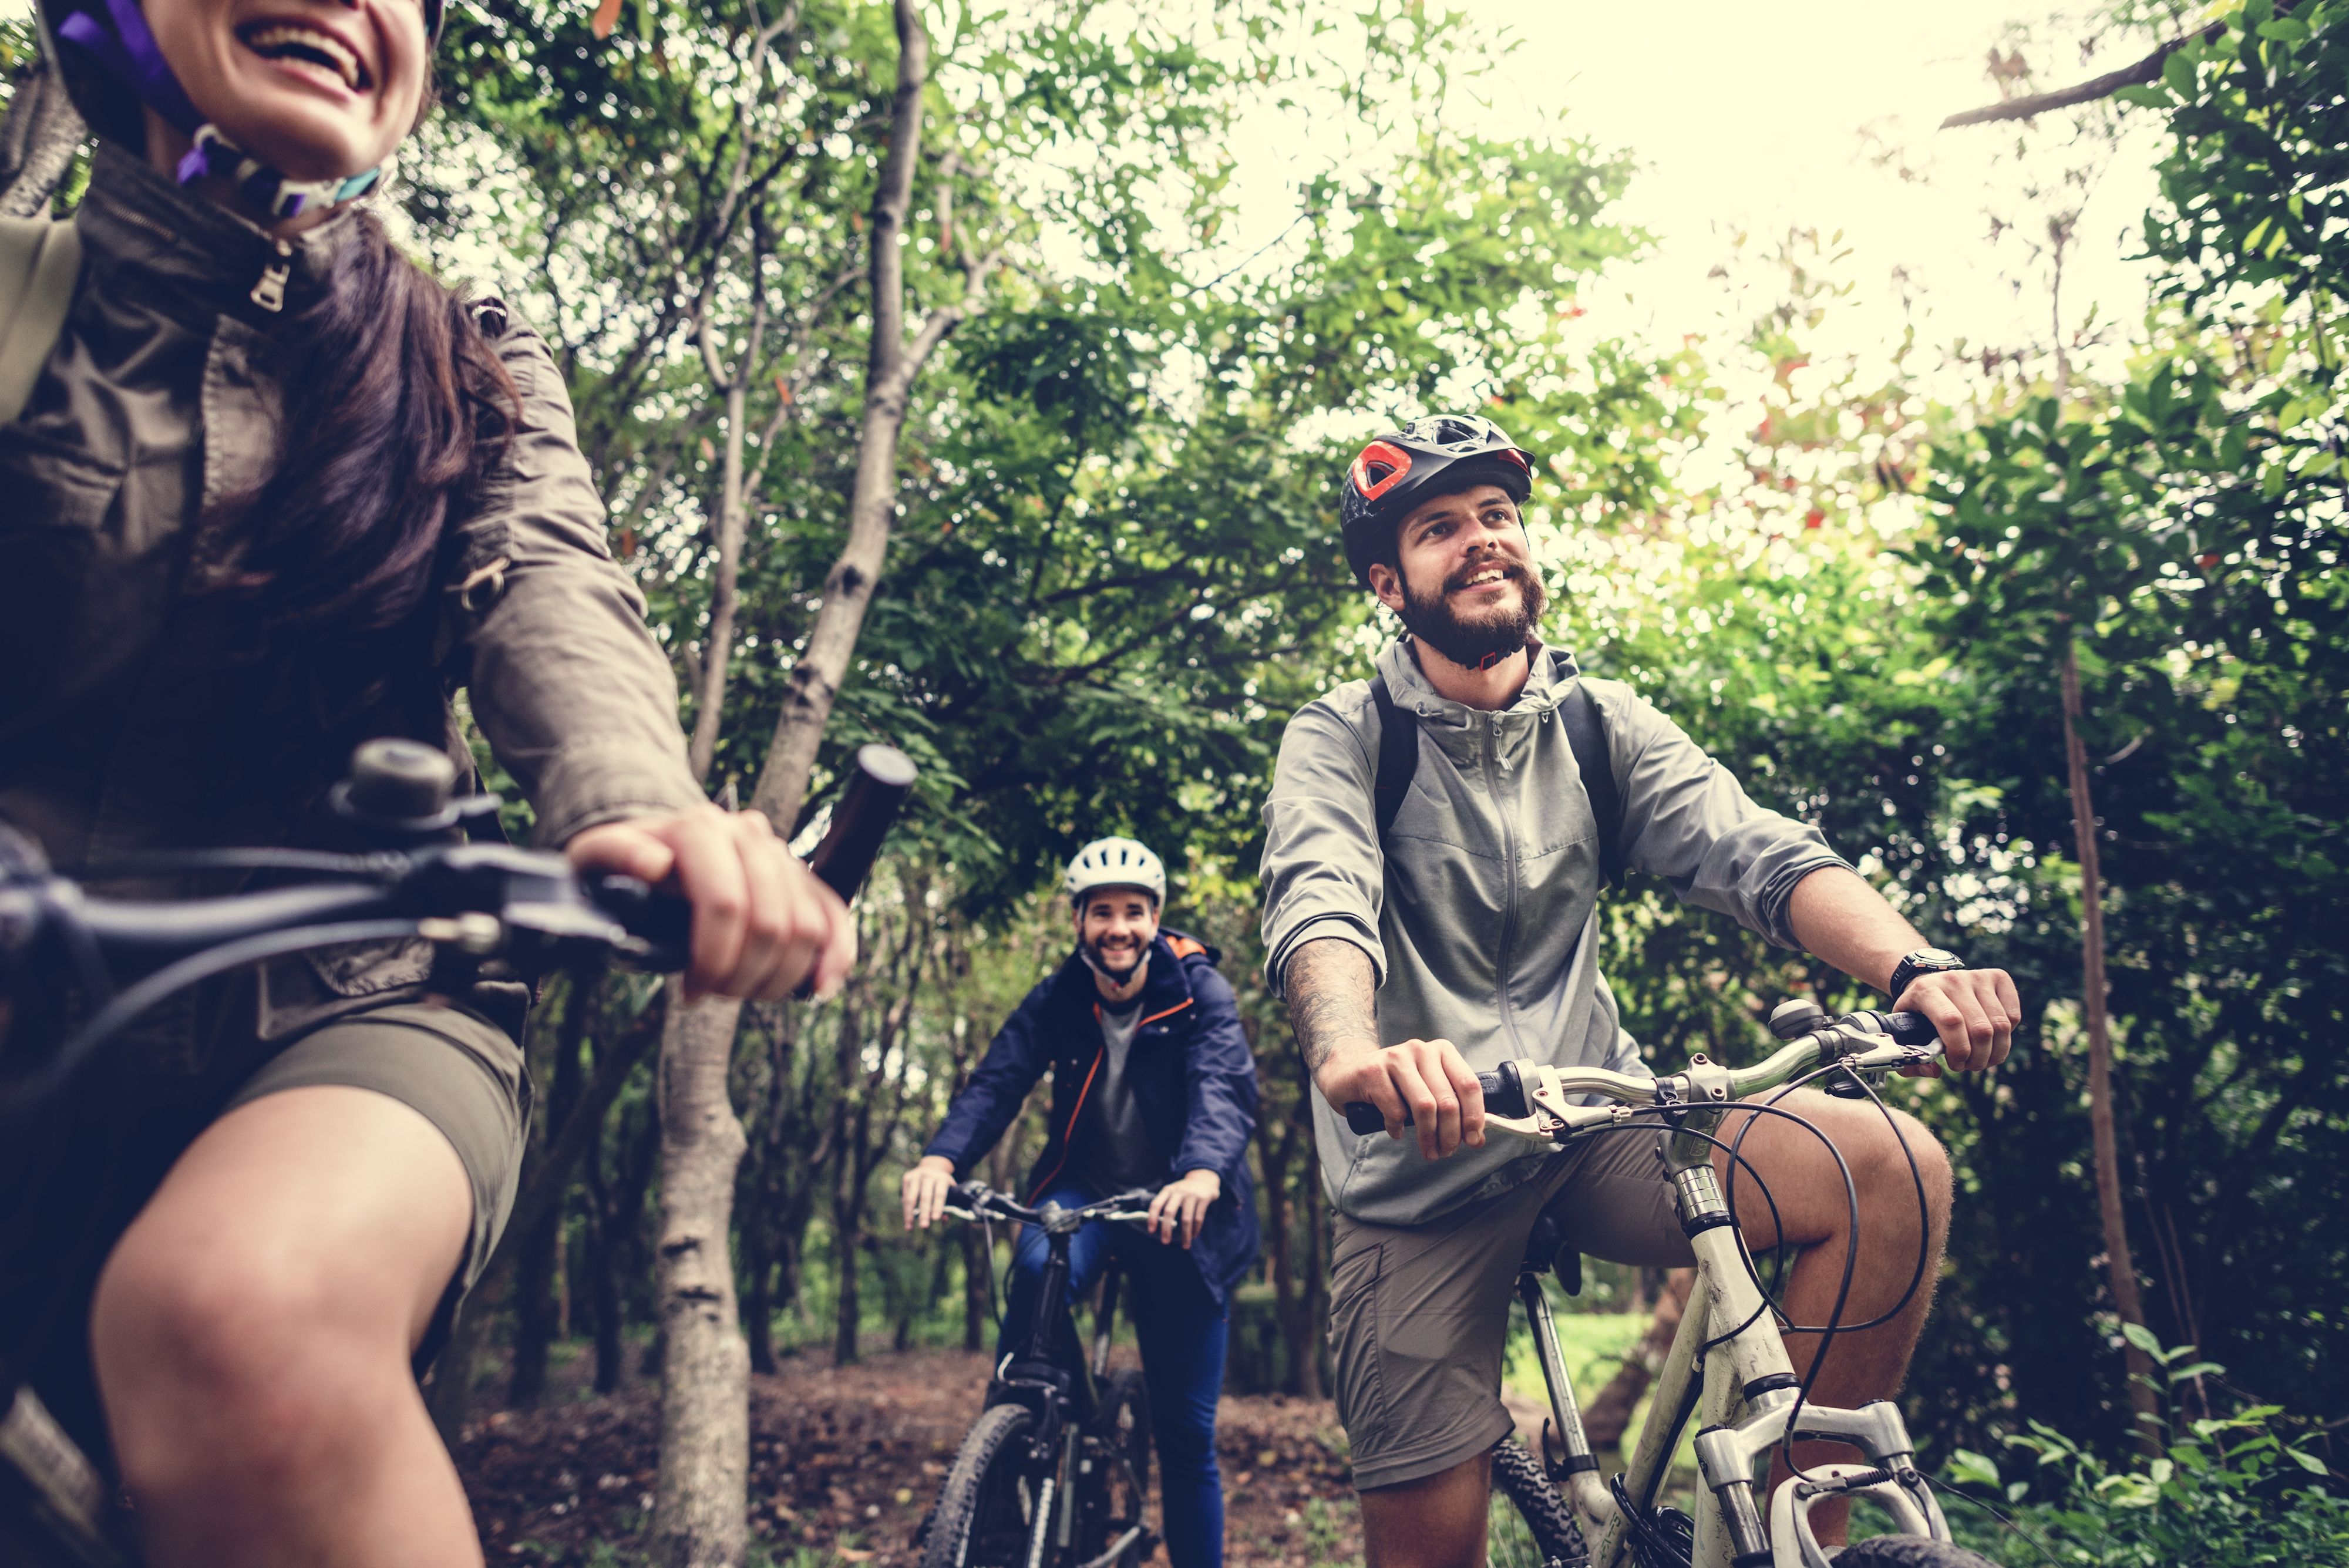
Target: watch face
[1935, 958]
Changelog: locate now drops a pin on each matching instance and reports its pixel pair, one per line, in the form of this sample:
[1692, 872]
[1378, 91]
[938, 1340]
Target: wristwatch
[1924, 960]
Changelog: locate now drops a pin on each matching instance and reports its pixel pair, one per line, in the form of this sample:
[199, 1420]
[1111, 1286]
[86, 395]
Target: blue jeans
[1181, 1333]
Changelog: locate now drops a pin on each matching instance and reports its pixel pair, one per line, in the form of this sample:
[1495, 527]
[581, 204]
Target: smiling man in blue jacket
[1153, 1086]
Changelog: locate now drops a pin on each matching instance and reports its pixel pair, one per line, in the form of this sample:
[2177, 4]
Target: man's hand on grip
[925, 1189]
[1426, 1078]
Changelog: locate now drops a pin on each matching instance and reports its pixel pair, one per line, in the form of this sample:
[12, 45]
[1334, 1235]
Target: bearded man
[1433, 857]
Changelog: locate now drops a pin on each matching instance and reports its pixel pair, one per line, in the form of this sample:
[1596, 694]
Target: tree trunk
[848, 1308]
[603, 1269]
[718, 646]
[977, 1274]
[758, 1313]
[850, 1125]
[533, 1324]
[699, 1517]
[450, 1400]
[2120, 1269]
[1609, 1416]
[37, 142]
[891, 366]
[1276, 1155]
[1317, 1281]
[534, 1311]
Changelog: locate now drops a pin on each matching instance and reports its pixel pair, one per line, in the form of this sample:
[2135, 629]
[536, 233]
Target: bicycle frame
[1728, 1364]
[1065, 1395]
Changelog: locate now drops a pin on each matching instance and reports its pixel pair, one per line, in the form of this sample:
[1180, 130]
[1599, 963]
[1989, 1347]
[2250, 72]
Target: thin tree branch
[2145, 70]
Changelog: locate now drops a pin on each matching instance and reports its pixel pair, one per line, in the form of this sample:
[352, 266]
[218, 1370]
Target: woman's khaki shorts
[450, 1065]
[1419, 1314]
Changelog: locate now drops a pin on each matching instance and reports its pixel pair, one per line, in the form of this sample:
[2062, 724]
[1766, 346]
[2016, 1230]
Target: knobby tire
[1908, 1552]
[981, 1519]
[1547, 1513]
[1110, 1503]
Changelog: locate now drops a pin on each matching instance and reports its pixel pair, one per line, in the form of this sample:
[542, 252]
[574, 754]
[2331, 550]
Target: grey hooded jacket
[1478, 916]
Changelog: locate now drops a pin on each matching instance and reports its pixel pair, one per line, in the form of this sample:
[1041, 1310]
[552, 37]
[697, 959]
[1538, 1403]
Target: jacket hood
[1546, 682]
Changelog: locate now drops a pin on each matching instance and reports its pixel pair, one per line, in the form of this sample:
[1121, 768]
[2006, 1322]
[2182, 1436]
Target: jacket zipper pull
[270, 292]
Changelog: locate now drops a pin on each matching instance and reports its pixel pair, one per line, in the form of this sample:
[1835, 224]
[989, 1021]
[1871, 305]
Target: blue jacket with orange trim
[1190, 1069]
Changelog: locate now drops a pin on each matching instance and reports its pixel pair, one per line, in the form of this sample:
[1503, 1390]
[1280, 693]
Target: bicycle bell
[1796, 1017]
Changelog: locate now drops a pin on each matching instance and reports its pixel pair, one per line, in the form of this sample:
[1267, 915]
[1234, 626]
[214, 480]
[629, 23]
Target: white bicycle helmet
[1116, 863]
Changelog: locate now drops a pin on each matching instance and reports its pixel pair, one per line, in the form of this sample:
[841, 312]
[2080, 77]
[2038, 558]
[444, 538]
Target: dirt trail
[845, 1460]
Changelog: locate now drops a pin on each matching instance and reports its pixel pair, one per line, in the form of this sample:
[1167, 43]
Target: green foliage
[1114, 576]
[2254, 185]
[2228, 1491]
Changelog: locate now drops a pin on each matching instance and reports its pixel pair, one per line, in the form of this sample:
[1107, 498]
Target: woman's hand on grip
[763, 924]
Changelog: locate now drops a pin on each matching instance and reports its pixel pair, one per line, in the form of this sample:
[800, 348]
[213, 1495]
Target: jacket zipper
[1509, 873]
[270, 292]
[1101, 1053]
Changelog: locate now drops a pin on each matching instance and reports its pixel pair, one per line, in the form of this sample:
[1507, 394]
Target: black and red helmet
[1439, 455]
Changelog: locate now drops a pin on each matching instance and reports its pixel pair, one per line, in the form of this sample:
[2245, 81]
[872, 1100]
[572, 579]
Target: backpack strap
[1398, 755]
[1586, 735]
[40, 262]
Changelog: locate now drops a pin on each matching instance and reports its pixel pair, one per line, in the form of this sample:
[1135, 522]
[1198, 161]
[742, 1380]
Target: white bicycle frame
[1728, 1365]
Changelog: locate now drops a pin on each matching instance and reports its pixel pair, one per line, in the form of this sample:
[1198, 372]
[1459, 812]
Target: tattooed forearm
[1332, 1000]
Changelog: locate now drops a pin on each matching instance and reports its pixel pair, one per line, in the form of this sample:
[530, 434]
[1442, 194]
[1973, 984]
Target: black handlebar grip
[1504, 1096]
[662, 920]
[882, 779]
[1910, 1028]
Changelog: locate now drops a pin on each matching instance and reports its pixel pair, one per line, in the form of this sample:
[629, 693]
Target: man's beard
[1494, 635]
[1118, 964]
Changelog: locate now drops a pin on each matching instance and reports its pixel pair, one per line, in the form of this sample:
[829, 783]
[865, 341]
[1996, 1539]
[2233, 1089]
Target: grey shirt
[1111, 1150]
[1477, 917]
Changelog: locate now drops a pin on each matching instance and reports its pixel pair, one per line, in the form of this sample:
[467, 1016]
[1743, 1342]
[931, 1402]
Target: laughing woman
[275, 490]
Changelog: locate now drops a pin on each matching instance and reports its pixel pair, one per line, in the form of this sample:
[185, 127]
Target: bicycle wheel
[987, 1509]
[1908, 1552]
[1518, 1476]
[1119, 1484]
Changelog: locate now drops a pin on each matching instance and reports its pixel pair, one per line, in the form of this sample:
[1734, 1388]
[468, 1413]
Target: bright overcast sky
[1762, 118]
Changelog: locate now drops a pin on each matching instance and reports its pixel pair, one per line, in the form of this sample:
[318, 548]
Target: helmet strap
[214, 153]
[128, 52]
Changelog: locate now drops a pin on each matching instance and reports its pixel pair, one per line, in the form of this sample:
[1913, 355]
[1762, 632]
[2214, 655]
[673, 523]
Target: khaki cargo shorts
[1419, 1314]
[454, 1067]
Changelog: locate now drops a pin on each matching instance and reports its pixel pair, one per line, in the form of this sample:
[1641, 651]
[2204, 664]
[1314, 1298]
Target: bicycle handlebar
[1860, 1032]
[970, 1199]
[475, 900]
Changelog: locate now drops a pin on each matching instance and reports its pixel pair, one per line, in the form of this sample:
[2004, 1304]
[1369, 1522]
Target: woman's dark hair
[396, 407]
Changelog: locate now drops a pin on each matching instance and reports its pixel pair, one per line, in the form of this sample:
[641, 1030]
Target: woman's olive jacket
[138, 705]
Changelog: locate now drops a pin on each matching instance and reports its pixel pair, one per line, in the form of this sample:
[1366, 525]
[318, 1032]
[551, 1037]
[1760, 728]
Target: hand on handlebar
[925, 1190]
[1179, 1208]
[1976, 1011]
[762, 921]
[1428, 1079]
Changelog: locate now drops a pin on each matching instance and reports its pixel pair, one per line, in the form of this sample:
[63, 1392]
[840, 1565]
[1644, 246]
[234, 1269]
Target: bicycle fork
[1730, 1341]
